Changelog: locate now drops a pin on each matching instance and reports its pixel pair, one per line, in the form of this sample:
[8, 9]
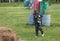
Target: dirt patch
[7, 34]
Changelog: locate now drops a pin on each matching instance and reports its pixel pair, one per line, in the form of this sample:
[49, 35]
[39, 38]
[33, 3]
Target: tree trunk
[59, 0]
[9, 1]
[18, 0]
[12, 0]
[0, 0]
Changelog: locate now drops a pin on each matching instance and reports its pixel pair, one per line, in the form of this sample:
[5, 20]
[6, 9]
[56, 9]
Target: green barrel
[26, 3]
[43, 7]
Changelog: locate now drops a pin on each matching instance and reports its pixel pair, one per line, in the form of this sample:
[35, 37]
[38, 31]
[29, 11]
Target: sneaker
[36, 36]
[42, 35]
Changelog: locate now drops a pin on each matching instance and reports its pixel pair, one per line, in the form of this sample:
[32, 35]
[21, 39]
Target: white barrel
[46, 20]
[30, 21]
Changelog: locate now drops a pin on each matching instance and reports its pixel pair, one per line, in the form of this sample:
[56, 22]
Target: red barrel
[36, 6]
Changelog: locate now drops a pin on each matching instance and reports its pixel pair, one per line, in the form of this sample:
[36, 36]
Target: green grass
[14, 4]
[16, 18]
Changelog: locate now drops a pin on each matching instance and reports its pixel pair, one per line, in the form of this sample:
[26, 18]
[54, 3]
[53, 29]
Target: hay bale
[7, 34]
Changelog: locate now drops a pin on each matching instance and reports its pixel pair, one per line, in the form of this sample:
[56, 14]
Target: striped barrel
[46, 20]
[31, 21]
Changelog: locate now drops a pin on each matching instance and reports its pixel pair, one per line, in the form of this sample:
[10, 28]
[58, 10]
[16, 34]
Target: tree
[0, 0]
[9, 1]
[18, 0]
[22, 0]
[12, 0]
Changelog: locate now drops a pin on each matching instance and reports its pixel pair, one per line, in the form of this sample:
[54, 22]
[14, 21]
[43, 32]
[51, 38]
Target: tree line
[11, 0]
[56, 1]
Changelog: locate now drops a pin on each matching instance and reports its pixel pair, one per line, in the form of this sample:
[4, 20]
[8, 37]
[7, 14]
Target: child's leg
[41, 30]
[36, 29]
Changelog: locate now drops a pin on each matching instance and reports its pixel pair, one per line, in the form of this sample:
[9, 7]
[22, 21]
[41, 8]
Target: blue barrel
[46, 20]
[26, 3]
[30, 21]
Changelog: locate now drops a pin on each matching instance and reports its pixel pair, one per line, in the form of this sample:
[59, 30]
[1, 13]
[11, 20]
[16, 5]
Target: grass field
[17, 18]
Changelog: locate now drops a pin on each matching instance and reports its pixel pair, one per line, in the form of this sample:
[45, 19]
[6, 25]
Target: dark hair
[35, 11]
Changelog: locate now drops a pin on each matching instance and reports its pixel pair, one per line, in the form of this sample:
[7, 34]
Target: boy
[37, 22]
